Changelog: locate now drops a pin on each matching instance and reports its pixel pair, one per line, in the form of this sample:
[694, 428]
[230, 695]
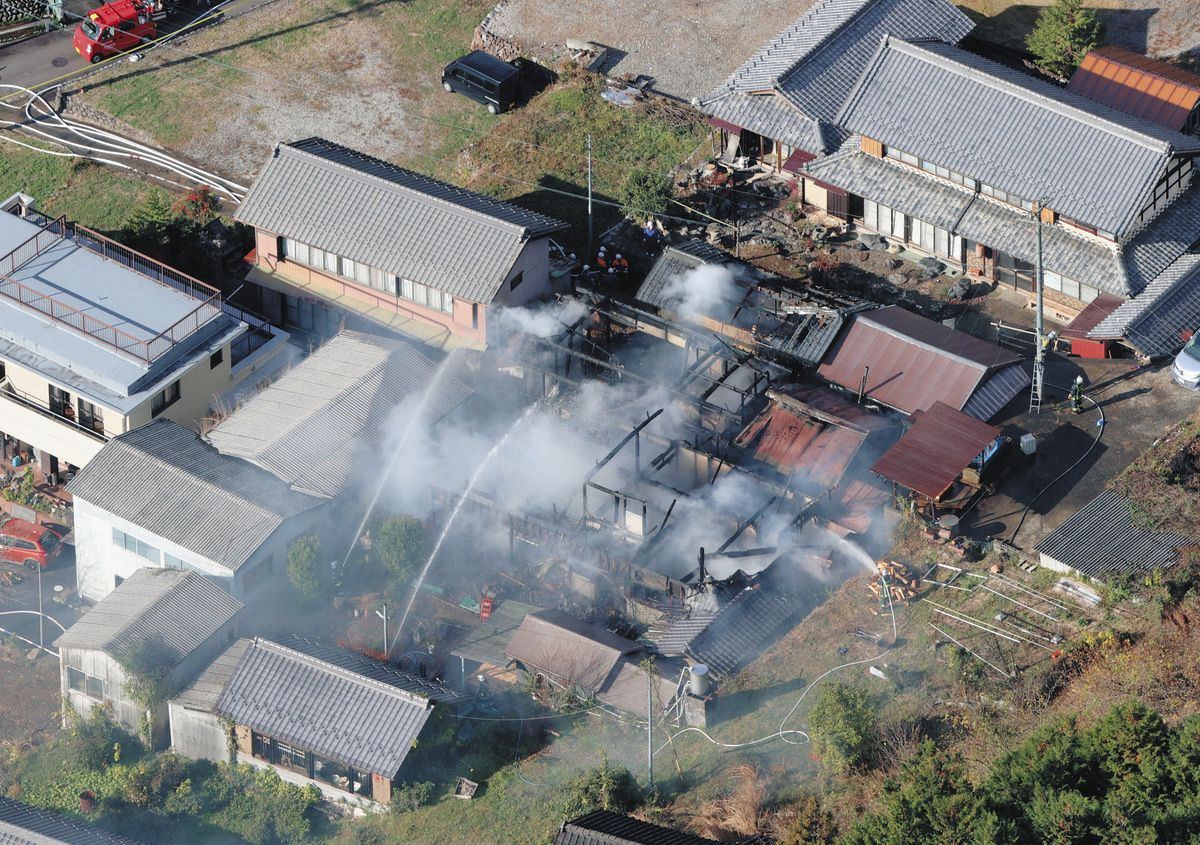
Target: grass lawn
[546, 142]
[98, 196]
[371, 74]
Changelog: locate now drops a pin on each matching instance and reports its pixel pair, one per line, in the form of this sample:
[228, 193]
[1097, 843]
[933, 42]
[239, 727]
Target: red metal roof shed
[1143, 87]
[913, 361]
[929, 458]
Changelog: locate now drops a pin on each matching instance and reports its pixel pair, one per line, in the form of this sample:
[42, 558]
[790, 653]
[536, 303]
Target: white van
[1186, 369]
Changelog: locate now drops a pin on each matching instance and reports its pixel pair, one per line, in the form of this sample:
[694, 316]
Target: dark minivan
[485, 79]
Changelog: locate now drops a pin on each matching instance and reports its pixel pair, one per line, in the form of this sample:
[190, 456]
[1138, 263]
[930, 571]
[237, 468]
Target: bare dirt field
[28, 697]
[1165, 30]
[688, 46]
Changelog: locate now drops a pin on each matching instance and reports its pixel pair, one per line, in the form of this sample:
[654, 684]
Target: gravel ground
[688, 46]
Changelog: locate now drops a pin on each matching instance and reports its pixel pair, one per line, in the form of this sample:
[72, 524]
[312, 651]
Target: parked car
[1186, 369]
[485, 79]
[28, 544]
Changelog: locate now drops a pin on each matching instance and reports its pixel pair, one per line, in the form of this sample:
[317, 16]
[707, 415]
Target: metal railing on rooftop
[146, 350]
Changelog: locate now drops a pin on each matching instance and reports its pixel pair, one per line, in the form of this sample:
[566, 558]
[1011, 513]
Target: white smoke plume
[702, 292]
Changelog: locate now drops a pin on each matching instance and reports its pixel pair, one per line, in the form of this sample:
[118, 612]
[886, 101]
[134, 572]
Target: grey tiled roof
[183, 608]
[307, 426]
[370, 668]
[1092, 163]
[24, 824]
[1109, 267]
[672, 639]
[391, 218]
[163, 478]
[332, 711]
[742, 629]
[604, 827]
[772, 116]
[811, 66]
[1101, 539]
[674, 262]
[1000, 389]
[1153, 321]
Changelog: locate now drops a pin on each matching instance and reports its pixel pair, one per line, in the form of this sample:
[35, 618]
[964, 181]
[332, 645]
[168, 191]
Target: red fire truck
[119, 27]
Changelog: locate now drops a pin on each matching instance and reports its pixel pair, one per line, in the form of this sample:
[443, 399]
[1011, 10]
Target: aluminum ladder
[1035, 394]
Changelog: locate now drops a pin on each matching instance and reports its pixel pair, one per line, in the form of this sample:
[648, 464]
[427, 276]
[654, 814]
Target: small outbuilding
[162, 622]
[942, 458]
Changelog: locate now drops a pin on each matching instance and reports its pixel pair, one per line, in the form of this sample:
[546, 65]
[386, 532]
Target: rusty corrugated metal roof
[1137, 85]
[913, 361]
[809, 433]
[932, 454]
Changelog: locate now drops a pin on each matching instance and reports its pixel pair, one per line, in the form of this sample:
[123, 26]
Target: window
[316, 257]
[447, 303]
[420, 294]
[139, 547]
[60, 401]
[295, 251]
[165, 398]
[260, 746]
[331, 772]
[331, 262]
[216, 358]
[516, 280]
[82, 682]
[89, 416]
[349, 268]
[291, 757]
[170, 561]
[258, 574]
[474, 315]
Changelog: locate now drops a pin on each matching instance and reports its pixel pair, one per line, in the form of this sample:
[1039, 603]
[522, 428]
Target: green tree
[151, 227]
[400, 542]
[148, 663]
[304, 567]
[606, 787]
[1064, 33]
[930, 802]
[646, 191]
[843, 727]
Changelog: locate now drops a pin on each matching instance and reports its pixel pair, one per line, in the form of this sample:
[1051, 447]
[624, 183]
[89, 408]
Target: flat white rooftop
[91, 321]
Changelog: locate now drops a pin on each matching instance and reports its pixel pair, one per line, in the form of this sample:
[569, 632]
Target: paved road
[36, 61]
[24, 596]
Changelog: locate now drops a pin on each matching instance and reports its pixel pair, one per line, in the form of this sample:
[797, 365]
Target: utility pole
[650, 729]
[41, 616]
[383, 616]
[1039, 355]
[588, 257]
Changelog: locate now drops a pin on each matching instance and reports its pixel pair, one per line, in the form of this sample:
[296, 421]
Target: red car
[28, 544]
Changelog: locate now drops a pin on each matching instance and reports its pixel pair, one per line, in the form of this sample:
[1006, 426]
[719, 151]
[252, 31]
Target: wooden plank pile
[899, 580]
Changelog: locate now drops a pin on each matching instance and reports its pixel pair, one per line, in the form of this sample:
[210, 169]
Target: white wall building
[96, 339]
[159, 496]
